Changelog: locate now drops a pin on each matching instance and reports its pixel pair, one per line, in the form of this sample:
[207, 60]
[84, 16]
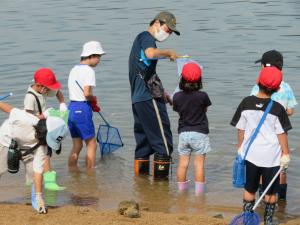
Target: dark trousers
[147, 132]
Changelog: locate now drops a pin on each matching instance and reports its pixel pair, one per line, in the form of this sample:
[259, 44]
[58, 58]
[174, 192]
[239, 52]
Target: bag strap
[30, 150]
[259, 126]
[37, 101]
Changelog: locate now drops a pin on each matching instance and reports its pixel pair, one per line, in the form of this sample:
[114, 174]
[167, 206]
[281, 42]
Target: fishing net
[246, 218]
[109, 139]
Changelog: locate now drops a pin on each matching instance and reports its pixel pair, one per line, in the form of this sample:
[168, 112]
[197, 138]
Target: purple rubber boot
[183, 186]
[200, 188]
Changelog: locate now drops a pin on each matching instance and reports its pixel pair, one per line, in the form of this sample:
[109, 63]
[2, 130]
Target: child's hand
[94, 104]
[41, 117]
[285, 160]
[167, 98]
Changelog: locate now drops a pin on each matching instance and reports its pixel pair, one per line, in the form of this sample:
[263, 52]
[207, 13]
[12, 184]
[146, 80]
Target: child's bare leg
[249, 201]
[38, 180]
[91, 146]
[182, 167]
[74, 155]
[199, 168]
[47, 166]
[249, 196]
[270, 198]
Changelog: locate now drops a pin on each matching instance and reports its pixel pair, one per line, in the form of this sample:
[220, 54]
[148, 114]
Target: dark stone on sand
[218, 216]
[129, 209]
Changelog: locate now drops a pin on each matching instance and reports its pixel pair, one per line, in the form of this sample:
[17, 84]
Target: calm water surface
[226, 37]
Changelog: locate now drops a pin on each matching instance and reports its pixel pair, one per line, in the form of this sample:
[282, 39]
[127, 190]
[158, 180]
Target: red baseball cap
[270, 77]
[191, 72]
[46, 77]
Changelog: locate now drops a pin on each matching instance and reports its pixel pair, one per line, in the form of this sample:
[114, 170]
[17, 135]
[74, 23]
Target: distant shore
[18, 214]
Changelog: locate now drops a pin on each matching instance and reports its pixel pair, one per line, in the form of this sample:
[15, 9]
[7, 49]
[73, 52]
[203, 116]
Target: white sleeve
[29, 102]
[21, 115]
[241, 124]
[89, 78]
[278, 127]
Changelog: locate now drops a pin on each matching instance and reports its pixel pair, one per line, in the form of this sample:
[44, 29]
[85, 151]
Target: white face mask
[161, 35]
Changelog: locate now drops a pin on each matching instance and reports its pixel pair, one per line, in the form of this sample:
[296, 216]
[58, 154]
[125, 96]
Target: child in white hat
[83, 103]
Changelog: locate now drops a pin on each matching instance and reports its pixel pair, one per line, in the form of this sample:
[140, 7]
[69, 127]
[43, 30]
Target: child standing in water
[83, 104]
[191, 105]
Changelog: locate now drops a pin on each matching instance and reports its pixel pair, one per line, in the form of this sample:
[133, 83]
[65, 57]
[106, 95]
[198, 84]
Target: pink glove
[94, 105]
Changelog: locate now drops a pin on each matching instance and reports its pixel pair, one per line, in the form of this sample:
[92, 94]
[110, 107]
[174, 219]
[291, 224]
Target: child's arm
[283, 141]
[5, 107]
[60, 97]
[290, 111]
[240, 137]
[88, 93]
[285, 157]
[61, 100]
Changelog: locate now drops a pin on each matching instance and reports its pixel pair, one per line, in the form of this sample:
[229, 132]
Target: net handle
[105, 121]
[267, 188]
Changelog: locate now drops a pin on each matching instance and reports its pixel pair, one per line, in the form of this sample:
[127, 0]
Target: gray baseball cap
[169, 19]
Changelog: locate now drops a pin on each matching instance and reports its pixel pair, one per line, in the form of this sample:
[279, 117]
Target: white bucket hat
[92, 48]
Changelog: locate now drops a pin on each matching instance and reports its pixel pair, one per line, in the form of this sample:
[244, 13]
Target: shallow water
[226, 37]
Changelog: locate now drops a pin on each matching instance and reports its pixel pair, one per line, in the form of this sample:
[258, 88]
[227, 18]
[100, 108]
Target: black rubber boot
[282, 192]
[269, 212]
[161, 166]
[248, 205]
[141, 167]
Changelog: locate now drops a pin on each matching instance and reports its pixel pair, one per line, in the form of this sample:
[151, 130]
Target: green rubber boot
[50, 181]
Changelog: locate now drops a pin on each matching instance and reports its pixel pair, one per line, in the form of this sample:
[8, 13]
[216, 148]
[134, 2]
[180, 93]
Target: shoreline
[14, 214]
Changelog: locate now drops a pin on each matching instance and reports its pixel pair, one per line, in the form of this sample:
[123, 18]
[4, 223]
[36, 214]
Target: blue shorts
[193, 141]
[80, 121]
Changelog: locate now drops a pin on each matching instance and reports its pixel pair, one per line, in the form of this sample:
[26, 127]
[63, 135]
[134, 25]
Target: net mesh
[246, 218]
[109, 139]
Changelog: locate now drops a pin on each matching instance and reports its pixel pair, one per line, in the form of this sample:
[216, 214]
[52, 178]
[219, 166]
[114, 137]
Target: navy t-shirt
[137, 68]
[191, 107]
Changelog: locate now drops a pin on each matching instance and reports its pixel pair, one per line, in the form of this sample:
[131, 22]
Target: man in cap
[151, 122]
[284, 96]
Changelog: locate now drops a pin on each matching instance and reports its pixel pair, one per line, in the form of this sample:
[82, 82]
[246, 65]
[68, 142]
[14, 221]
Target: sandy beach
[18, 214]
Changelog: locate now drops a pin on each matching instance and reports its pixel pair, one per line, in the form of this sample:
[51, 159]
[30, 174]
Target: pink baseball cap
[46, 77]
[191, 72]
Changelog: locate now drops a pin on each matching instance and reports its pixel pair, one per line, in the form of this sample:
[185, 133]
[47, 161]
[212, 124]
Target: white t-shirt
[265, 150]
[19, 126]
[30, 102]
[85, 76]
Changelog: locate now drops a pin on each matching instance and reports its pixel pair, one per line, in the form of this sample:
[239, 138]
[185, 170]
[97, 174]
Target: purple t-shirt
[191, 107]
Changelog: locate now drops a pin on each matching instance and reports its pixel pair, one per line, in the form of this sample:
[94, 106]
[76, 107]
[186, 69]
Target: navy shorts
[80, 121]
[253, 174]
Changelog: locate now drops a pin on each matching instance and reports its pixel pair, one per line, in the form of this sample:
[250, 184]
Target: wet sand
[15, 214]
